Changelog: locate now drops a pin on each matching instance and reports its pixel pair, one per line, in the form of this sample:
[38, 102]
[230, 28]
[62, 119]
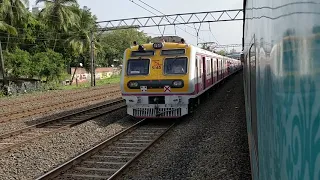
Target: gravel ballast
[209, 144]
[34, 159]
[24, 122]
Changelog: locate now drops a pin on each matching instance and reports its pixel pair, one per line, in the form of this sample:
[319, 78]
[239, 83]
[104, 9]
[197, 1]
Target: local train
[165, 79]
[281, 56]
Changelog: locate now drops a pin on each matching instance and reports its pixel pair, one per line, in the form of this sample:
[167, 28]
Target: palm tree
[7, 28]
[79, 38]
[59, 15]
[12, 12]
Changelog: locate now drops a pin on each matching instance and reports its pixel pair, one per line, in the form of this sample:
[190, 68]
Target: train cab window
[138, 67]
[176, 65]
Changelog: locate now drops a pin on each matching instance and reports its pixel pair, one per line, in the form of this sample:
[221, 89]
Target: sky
[221, 32]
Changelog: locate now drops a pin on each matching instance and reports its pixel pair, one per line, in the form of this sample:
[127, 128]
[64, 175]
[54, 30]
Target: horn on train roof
[173, 39]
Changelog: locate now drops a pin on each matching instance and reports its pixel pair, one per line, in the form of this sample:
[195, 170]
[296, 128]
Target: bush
[49, 65]
[17, 63]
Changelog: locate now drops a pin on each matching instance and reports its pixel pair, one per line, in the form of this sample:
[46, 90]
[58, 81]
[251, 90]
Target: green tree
[222, 52]
[114, 44]
[47, 44]
[59, 15]
[7, 28]
[12, 13]
[48, 64]
[32, 33]
[17, 63]
[79, 38]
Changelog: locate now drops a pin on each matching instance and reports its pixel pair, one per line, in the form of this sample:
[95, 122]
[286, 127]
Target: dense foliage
[45, 45]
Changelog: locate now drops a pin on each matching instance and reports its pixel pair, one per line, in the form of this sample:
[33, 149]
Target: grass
[111, 80]
[101, 82]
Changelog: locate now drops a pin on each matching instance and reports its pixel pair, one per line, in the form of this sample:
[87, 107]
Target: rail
[21, 136]
[109, 158]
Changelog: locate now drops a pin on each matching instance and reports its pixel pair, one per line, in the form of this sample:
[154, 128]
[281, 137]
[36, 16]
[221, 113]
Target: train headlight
[132, 100]
[157, 45]
[133, 84]
[177, 83]
[175, 99]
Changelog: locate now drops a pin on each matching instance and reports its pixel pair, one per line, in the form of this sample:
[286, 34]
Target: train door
[221, 68]
[225, 68]
[217, 69]
[211, 65]
[228, 67]
[204, 74]
[253, 95]
[197, 75]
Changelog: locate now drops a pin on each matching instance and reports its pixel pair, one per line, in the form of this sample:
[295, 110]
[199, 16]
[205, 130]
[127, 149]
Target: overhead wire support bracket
[197, 31]
[187, 18]
[215, 45]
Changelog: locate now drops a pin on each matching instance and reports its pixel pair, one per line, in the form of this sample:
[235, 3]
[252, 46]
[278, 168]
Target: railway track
[34, 110]
[21, 136]
[44, 96]
[109, 158]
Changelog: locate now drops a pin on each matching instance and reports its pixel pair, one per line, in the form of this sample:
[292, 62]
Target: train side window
[208, 65]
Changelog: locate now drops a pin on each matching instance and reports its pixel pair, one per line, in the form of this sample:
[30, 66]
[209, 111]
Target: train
[165, 79]
[281, 71]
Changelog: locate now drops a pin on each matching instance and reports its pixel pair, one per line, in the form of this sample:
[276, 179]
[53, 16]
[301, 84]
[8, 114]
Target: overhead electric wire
[213, 35]
[167, 19]
[33, 38]
[177, 20]
[33, 44]
[165, 14]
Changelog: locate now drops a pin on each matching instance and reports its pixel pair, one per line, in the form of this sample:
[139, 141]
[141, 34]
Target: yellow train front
[166, 79]
[155, 80]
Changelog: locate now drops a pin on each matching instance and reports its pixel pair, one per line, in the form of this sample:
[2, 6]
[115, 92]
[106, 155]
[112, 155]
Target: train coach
[165, 79]
[281, 45]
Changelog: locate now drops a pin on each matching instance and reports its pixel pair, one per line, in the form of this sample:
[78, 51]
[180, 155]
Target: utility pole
[93, 78]
[197, 38]
[2, 66]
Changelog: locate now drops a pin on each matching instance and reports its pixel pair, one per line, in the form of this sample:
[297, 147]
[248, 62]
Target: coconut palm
[79, 38]
[7, 28]
[12, 12]
[59, 15]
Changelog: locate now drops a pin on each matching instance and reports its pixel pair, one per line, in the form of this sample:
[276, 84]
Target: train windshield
[176, 65]
[138, 67]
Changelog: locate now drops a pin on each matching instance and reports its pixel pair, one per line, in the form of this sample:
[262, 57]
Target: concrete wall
[101, 73]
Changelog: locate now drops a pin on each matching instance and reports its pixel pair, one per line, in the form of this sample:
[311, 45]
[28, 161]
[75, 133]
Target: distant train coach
[166, 79]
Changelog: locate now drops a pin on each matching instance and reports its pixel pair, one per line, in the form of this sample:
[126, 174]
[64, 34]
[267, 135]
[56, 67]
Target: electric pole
[93, 78]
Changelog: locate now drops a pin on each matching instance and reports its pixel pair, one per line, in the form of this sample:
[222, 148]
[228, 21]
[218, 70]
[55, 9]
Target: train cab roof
[154, 46]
